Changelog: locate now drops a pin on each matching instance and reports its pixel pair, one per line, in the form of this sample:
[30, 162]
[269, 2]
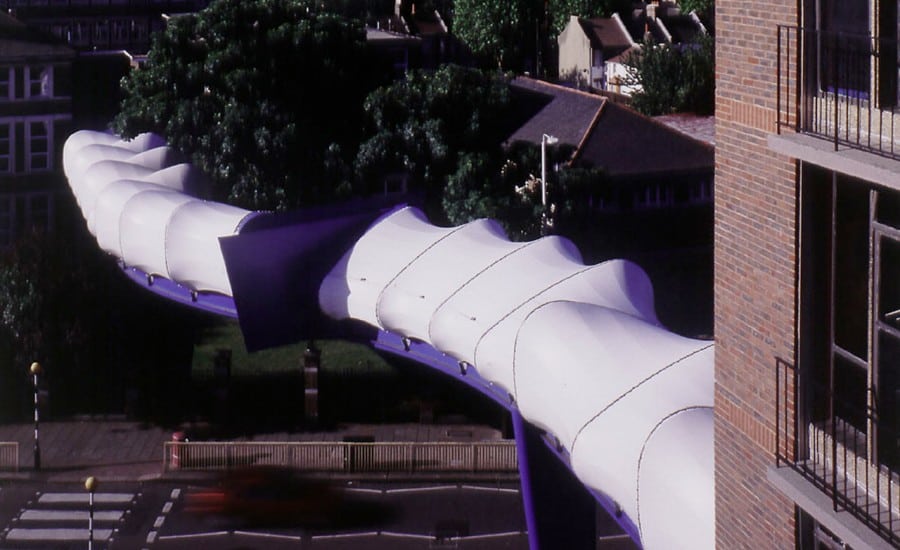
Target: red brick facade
[754, 274]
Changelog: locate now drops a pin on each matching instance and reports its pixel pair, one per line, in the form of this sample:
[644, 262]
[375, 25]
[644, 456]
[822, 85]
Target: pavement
[117, 449]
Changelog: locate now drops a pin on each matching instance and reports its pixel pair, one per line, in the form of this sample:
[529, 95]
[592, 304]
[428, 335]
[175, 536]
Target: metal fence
[841, 87]
[834, 456]
[345, 457]
[9, 456]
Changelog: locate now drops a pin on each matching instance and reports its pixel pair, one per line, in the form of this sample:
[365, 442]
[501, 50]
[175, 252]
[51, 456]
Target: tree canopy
[260, 94]
[674, 77]
[499, 32]
[421, 124]
[560, 11]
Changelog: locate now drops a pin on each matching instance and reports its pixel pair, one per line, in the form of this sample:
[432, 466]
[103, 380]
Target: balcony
[832, 456]
[842, 89]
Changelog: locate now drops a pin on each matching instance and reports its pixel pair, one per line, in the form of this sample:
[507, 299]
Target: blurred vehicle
[269, 495]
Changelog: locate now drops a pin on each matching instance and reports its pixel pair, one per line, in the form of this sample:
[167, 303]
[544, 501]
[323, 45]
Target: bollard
[176, 450]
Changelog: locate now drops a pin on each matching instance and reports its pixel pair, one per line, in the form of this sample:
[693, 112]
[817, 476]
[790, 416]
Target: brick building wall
[754, 274]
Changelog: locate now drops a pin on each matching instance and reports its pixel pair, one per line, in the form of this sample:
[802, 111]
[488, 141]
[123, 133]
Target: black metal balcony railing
[840, 87]
[834, 455]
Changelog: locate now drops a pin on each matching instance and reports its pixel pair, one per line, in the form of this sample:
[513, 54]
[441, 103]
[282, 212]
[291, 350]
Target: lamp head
[35, 368]
[90, 484]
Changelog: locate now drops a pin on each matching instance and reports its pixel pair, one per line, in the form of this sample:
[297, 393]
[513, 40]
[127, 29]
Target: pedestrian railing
[344, 457]
[9, 456]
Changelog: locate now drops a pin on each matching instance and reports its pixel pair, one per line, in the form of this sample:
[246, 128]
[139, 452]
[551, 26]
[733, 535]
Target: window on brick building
[849, 338]
[857, 49]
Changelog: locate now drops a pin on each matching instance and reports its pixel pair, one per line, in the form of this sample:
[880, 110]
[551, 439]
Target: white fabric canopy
[578, 347]
[136, 197]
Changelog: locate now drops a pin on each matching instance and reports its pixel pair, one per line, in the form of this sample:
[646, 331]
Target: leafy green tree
[483, 187]
[560, 11]
[674, 78]
[702, 7]
[420, 125]
[499, 32]
[258, 93]
[66, 304]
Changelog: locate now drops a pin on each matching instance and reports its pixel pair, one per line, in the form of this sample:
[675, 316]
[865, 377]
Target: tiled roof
[626, 143]
[562, 112]
[607, 34]
[607, 135]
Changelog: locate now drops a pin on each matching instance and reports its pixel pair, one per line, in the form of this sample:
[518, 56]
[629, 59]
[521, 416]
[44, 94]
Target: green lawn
[337, 355]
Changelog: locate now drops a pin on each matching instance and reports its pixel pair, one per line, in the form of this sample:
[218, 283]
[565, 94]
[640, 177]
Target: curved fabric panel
[352, 288]
[607, 452]
[142, 229]
[91, 154]
[101, 174]
[131, 193]
[407, 305]
[104, 220]
[78, 141]
[192, 244]
[460, 322]
[673, 479]
[617, 284]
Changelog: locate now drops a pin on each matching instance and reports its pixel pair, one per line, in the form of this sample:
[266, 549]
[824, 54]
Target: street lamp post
[90, 484]
[35, 371]
[546, 140]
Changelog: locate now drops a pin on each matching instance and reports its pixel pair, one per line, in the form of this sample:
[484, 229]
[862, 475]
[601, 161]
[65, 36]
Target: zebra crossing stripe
[18, 534]
[70, 515]
[82, 498]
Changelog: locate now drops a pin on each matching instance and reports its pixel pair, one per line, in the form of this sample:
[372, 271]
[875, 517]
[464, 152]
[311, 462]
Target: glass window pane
[851, 308]
[889, 282]
[850, 402]
[888, 392]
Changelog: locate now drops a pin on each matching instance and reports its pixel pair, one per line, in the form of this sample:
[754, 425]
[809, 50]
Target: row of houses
[593, 52]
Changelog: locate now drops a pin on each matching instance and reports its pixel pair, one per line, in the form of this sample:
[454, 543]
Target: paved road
[158, 515]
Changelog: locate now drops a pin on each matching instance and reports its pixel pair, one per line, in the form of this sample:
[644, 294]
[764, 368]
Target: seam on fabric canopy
[637, 484]
[473, 277]
[515, 387]
[558, 282]
[636, 386]
[405, 267]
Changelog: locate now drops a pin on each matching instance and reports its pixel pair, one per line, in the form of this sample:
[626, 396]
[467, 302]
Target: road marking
[159, 521]
[174, 494]
[194, 535]
[167, 507]
[364, 491]
[345, 535]
[490, 489]
[18, 534]
[70, 515]
[493, 535]
[267, 535]
[407, 535]
[151, 537]
[83, 498]
[421, 489]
